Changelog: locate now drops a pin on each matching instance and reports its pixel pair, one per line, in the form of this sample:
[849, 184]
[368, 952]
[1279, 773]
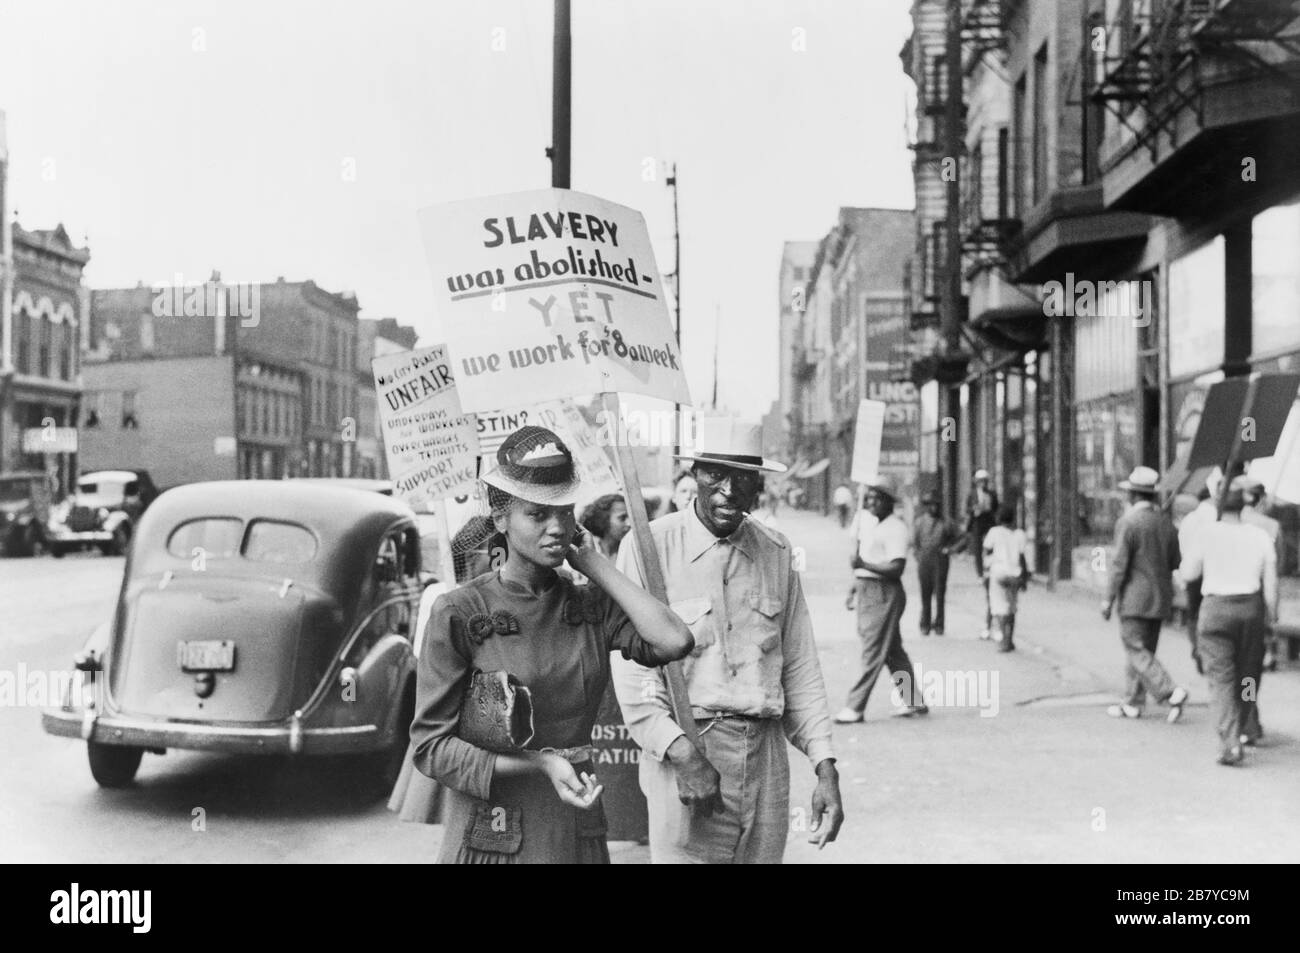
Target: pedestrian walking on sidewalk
[1252, 514]
[879, 555]
[933, 539]
[1141, 581]
[1008, 573]
[1237, 566]
[843, 498]
[1206, 512]
[981, 516]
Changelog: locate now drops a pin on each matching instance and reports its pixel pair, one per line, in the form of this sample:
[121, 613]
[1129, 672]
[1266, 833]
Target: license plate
[215, 655]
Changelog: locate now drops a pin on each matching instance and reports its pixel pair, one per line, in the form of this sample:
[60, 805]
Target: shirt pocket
[765, 620]
[698, 615]
[496, 829]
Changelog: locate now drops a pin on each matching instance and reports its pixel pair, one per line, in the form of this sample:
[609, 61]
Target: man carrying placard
[754, 680]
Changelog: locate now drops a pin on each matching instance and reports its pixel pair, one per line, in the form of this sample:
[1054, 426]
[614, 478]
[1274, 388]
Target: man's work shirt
[1233, 558]
[1253, 517]
[754, 651]
[879, 541]
[931, 535]
[1204, 514]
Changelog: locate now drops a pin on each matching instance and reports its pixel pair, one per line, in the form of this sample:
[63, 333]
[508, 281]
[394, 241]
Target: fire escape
[1162, 55]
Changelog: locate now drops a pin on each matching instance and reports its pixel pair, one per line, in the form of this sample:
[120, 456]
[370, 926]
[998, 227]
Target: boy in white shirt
[1006, 572]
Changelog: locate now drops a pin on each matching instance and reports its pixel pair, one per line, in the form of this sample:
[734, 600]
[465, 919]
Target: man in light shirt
[879, 555]
[753, 679]
[1252, 514]
[1237, 566]
[1206, 512]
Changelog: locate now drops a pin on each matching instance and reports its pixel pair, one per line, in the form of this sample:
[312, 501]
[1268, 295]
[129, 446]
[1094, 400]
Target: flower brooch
[481, 625]
[581, 606]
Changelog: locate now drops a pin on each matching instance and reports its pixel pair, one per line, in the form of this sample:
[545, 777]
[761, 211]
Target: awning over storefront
[1019, 328]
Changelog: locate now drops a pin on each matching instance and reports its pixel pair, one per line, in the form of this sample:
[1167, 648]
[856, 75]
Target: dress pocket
[697, 614]
[496, 829]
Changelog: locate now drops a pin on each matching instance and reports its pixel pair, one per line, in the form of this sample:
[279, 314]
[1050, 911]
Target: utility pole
[671, 182]
[717, 340]
[561, 97]
[950, 293]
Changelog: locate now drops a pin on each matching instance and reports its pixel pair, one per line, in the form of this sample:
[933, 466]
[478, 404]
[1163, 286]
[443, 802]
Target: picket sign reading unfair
[548, 294]
[432, 445]
[866, 441]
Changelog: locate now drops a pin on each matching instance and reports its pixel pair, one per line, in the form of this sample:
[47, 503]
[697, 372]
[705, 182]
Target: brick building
[282, 386]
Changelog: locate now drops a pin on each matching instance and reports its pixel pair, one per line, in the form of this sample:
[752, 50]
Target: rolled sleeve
[641, 692]
[441, 678]
[807, 719]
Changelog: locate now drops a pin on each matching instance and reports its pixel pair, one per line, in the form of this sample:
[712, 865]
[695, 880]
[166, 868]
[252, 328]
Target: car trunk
[240, 634]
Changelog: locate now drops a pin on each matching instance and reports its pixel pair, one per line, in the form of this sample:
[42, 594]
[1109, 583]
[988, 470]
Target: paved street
[1047, 778]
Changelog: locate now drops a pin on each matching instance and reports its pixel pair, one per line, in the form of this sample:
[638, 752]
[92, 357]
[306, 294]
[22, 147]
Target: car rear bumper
[290, 738]
[61, 534]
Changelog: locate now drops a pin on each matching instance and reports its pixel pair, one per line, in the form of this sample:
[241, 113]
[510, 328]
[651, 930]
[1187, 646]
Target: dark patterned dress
[556, 643]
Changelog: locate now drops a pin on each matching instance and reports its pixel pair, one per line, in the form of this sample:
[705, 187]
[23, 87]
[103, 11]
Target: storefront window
[1106, 453]
[1275, 279]
[1196, 310]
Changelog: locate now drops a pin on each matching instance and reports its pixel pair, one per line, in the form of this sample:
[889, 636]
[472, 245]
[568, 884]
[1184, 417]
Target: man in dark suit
[1141, 579]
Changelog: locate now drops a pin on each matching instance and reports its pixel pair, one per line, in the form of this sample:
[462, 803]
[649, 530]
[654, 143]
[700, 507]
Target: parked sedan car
[24, 510]
[262, 617]
[102, 512]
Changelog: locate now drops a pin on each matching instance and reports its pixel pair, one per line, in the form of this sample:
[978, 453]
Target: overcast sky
[273, 138]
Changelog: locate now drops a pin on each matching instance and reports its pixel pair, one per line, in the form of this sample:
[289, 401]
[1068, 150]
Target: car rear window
[273, 542]
[218, 537]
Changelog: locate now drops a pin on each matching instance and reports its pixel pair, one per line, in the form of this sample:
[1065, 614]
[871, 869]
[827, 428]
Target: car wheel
[57, 551]
[35, 542]
[113, 766]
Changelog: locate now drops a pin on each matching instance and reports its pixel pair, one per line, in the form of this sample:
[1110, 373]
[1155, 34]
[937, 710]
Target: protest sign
[550, 294]
[432, 446]
[562, 417]
[866, 441]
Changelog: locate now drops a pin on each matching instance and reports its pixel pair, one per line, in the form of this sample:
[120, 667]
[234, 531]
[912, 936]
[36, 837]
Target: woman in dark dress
[540, 805]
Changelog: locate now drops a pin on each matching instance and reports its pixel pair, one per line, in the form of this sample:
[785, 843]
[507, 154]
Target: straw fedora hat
[728, 442]
[1141, 480]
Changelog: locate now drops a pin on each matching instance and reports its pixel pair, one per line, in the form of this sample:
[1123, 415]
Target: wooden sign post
[651, 569]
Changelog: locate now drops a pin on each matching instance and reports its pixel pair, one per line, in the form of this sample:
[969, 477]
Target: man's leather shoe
[1231, 756]
[907, 711]
[1176, 702]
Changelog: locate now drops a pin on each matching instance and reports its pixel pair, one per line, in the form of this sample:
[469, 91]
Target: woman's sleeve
[619, 632]
[441, 678]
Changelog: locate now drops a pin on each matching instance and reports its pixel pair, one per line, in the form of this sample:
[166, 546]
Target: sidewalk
[1033, 769]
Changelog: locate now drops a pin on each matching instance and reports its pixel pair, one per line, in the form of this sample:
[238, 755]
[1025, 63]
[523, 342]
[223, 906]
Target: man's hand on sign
[827, 809]
[698, 782]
